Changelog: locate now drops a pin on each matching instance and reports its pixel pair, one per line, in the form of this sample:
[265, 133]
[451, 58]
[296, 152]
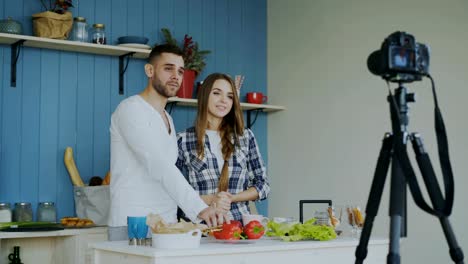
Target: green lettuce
[296, 232]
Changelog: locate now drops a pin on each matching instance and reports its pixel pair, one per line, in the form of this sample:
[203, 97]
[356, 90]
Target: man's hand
[213, 217]
[222, 201]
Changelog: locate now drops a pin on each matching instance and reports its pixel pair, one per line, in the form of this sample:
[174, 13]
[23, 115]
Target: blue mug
[136, 227]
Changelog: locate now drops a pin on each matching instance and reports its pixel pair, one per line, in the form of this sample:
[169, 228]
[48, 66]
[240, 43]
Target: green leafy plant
[194, 57]
[57, 6]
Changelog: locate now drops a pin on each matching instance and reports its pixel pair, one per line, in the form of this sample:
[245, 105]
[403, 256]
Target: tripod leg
[435, 194]
[375, 196]
[456, 252]
[397, 203]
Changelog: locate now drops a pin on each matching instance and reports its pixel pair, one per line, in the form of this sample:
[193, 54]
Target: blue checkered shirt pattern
[246, 168]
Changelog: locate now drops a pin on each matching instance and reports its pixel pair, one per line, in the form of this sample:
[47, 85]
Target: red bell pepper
[230, 232]
[254, 230]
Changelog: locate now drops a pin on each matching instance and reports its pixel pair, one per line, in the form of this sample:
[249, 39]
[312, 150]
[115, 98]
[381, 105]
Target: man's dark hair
[164, 48]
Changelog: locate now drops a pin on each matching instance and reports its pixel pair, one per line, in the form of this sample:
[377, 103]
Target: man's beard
[162, 89]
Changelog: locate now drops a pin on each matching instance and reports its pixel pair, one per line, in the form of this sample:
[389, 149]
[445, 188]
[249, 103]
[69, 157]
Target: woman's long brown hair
[230, 128]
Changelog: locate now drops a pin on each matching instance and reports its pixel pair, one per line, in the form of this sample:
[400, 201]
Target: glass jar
[80, 30]
[5, 212]
[46, 212]
[322, 218]
[23, 212]
[99, 34]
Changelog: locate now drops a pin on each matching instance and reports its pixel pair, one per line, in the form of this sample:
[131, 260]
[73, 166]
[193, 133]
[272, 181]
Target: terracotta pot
[186, 89]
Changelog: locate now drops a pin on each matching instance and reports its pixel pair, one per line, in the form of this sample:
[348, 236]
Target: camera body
[400, 59]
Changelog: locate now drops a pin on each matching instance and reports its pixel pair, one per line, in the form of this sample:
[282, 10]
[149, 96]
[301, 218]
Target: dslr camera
[400, 59]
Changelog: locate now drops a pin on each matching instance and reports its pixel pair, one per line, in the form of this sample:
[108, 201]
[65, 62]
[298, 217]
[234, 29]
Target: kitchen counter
[265, 250]
[68, 246]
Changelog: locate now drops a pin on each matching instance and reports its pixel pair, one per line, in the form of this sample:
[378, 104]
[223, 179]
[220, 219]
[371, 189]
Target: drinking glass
[355, 217]
[344, 214]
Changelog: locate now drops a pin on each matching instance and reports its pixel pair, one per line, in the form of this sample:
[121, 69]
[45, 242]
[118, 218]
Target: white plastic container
[190, 239]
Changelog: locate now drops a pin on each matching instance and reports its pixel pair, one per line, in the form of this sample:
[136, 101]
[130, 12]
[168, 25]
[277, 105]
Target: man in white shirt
[144, 151]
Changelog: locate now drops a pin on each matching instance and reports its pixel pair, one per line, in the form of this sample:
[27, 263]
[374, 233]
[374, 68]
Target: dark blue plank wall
[66, 98]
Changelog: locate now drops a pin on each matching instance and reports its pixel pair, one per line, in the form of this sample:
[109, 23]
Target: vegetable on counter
[298, 231]
[230, 231]
[254, 230]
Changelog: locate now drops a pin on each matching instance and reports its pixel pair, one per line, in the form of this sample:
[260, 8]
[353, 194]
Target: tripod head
[399, 109]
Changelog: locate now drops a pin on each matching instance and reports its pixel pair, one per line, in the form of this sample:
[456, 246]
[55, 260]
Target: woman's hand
[222, 201]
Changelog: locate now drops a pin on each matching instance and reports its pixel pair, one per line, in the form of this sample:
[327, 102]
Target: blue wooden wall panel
[83, 149]
[48, 128]
[68, 87]
[30, 126]
[207, 41]
[221, 36]
[66, 99]
[150, 21]
[101, 116]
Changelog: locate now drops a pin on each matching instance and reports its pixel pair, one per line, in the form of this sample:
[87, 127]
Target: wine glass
[356, 219]
[344, 227]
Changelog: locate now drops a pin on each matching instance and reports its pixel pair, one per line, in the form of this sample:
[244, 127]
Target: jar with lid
[5, 212]
[99, 34]
[46, 212]
[80, 30]
[23, 212]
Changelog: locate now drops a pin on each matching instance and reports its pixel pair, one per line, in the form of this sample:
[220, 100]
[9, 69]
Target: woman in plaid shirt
[219, 157]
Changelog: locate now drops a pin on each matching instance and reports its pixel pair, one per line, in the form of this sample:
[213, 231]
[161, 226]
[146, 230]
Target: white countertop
[209, 246]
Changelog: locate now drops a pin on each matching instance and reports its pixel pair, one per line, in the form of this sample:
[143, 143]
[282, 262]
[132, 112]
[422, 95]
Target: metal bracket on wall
[15, 52]
[170, 105]
[123, 69]
[250, 123]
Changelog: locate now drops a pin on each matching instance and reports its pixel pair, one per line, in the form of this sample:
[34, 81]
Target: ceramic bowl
[132, 39]
[191, 239]
[10, 26]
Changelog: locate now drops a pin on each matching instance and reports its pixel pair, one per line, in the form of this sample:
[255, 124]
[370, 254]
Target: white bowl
[190, 239]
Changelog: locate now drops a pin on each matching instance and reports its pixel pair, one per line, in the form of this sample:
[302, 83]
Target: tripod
[394, 150]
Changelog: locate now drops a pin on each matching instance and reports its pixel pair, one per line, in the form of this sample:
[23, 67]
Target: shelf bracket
[250, 123]
[123, 69]
[170, 105]
[15, 52]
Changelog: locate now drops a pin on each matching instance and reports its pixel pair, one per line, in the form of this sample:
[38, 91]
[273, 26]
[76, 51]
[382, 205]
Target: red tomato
[238, 223]
[254, 230]
[230, 232]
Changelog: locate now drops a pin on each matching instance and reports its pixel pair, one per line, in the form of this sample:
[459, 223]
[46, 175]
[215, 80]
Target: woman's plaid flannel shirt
[246, 168]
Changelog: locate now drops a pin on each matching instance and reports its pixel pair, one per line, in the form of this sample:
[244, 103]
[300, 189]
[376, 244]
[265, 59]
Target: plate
[135, 45]
[240, 241]
[78, 227]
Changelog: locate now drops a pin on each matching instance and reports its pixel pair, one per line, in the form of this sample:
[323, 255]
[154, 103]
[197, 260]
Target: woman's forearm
[250, 194]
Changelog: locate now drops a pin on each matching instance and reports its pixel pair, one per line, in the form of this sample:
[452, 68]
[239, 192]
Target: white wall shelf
[249, 108]
[17, 41]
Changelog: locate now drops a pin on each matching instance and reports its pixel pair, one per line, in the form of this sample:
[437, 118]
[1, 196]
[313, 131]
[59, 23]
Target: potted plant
[194, 61]
[56, 22]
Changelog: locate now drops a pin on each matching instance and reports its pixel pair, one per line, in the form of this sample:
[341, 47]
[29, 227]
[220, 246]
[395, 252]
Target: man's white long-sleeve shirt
[144, 176]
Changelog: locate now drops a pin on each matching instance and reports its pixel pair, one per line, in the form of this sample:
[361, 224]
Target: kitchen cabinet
[69, 246]
[264, 250]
